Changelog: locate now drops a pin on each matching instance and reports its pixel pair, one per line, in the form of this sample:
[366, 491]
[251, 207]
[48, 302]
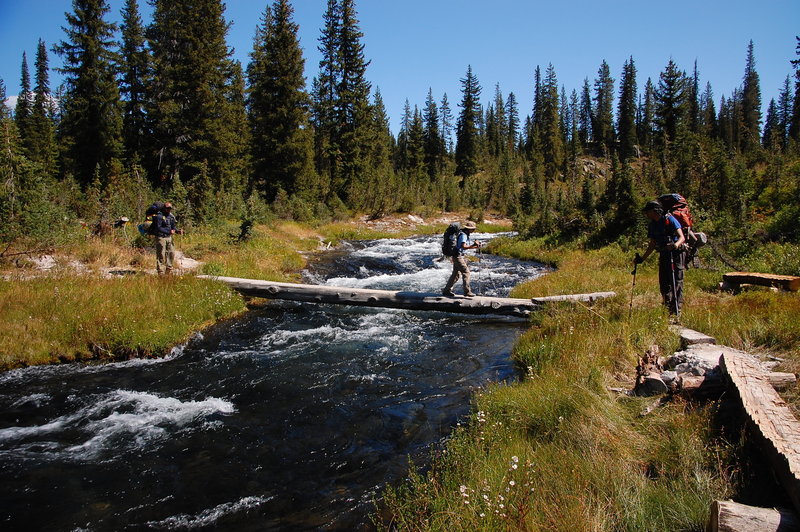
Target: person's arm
[650, 248]
[681, 238]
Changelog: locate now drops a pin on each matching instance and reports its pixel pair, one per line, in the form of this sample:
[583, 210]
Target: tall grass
[558, 451]
[66, 318]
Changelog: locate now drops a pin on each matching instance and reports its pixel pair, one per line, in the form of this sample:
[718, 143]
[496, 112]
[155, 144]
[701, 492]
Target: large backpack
[450, 240]
[149, 228]
[677, 206]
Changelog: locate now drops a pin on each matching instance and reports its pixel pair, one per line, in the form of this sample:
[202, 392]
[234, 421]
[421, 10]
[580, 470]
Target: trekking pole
[674, 286]
[630, 307]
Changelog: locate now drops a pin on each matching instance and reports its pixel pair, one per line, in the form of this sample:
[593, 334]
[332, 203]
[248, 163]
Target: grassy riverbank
[559, 451]
[79, 311]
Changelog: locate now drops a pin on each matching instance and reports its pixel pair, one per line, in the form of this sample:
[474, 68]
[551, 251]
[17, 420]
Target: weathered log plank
[395, 299]
[788, 283]
[691, 337]
[379, 298]
[772, 420]
[589, 298]
[729, 516]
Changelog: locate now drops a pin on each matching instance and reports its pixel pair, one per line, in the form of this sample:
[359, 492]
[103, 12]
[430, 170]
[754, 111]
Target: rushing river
[290, 418]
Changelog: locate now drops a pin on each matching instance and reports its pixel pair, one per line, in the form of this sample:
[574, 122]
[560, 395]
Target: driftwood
[733, 280]
[774, 425]
[392, 299]
[729, 516]
[648, 374]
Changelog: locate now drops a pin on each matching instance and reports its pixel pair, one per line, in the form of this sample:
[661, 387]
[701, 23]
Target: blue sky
[414, 45]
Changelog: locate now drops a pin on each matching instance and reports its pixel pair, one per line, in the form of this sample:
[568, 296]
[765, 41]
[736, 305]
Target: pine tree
[91, 125]
[446, 116]
[772, 132]
[434, 145]
[41, 141]
[550, 124]
[646, 116]
[4, 113]
[512, 112]
[708, 114]
[784, 113]
[670, 104]
[278, 105]
[794, 126]
[751, 104]
[324, 95]
[626, 112]
[353, 105]
[191, 106]
[467, 126]
[603, 120]
[380, 194]
[585, 115]
[135, 77]
[23, 110]
[693, 101]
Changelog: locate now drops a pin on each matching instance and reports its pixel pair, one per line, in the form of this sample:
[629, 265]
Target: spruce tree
[191, 106]
[446, 117]
[709, 127]
[693, 101]
[751, 104]
[278, 106]
[794, 125]
[467, 126]
[324, 94]
[380, 194]
[603, 120]
[23, 110]
[434, 144]
[512, 112]
[670, 104]
[784, 112]
[40, 141]
[772, 135]
[585, 115]
[135, 77]
[550, 126]
[647, 115]
[91, 125]
[4, 112]
[626, 112]
[353, 106]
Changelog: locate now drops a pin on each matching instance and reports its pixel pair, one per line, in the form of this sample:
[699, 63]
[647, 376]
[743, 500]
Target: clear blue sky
[414, 45]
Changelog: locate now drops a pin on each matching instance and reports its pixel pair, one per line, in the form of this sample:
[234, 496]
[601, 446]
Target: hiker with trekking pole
[666, 237]
[456, 242]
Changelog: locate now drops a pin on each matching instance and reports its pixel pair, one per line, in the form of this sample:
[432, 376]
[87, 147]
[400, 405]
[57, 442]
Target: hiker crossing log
[733, 280]
[340, 295]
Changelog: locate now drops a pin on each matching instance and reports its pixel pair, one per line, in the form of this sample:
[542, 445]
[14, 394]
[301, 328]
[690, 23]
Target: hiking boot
[469, 294]
[448, 293]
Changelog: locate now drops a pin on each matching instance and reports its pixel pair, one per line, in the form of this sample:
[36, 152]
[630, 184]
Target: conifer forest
[159, 109]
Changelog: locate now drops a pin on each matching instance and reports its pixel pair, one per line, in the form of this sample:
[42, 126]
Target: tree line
[163, 108]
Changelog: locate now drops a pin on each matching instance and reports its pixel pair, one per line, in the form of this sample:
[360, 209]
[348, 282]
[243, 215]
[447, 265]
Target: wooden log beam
[395, 299]
[379, 298]
[774, 426]
[729, 516]
[788, 283]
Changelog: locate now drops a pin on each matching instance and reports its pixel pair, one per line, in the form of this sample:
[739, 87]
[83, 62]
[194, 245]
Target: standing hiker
[165, 226]
[460, 264]
[666, 237]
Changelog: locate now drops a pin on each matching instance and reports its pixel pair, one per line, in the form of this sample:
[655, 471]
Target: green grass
[67, 318]
[558, 451]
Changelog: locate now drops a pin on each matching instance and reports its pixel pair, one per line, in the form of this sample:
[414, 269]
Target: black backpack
[450, 240]
[149, 227]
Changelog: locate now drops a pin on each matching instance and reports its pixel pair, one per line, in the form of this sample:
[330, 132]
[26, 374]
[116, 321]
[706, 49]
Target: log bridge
[340, 295]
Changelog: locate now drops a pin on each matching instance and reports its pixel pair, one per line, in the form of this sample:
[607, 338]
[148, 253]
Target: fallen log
[774, 426]
[733, 280]
[715, 385]
[729, 516]
[339, 295]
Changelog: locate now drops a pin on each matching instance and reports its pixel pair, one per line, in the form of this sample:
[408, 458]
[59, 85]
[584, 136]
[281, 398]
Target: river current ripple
[291, 417]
